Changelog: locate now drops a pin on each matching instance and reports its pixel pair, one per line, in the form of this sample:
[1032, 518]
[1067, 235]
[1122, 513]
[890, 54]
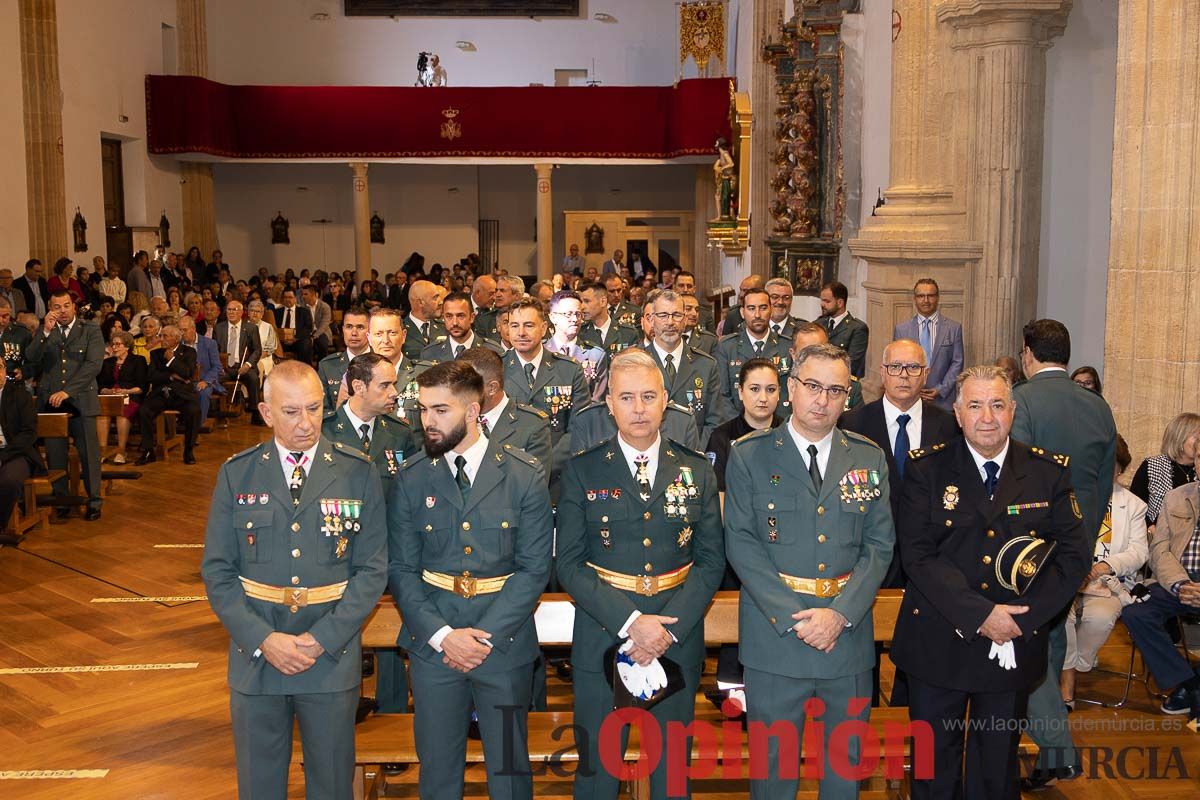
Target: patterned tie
[670, 371]
[460, 477]
[902, 446]
[483, 427]
[814, 471]
[296, 482]
[366, 437]
[992, 469]
[529, 374]
[925, 343]
[642, 476]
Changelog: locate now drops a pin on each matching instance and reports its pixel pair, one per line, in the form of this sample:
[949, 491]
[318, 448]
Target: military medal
[430, 501]
[249, 538]
[685, 535]
[772, 535]
[251, 499]
[241, 499]
[263, 498]
[699, 384]
[950, 498]
[606, 539]
[591, 495]
[340, 550]
[616, 494]
[774, 480]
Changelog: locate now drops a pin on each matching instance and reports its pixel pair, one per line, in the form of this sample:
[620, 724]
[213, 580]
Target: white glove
[739, 696]
[1004, 654]
[642, 682]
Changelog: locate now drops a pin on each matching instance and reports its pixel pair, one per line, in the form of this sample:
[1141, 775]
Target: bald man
[423, 325]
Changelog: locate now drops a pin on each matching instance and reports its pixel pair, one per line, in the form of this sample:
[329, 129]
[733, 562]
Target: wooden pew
[389, 739]
[167, 436]
[54, 426]
[50, 426]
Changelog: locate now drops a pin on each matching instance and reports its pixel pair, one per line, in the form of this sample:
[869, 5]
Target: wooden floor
[164, 733]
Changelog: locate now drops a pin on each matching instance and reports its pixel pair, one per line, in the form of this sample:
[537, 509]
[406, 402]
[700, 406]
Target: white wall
[276, 42]
[1077, 178]
[14, 215]
[421, 211]
[105, 51]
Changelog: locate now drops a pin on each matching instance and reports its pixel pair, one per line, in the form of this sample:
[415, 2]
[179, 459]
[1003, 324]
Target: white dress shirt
[676, 354]
[306, 463]
[933, 328]
[754, 341]
[537, 362]
[604, 329]
[467, 344]
[474, 456]
[824, 447]
[891, 415]
[980, 461]
[358, 422]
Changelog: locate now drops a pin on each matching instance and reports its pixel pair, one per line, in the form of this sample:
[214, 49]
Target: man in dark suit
[1058, 415]
[295, 322]
[971, 633]
[846, 331]
[19, 456]
[33, 287]
[470, 532]
[67, 354]
[240, 348]
[171, 370]
[322, 317]
[940, 338]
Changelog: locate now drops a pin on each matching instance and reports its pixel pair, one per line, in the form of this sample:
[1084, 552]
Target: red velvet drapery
[194, 115]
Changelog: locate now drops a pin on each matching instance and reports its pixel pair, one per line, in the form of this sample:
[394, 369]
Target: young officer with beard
[470, 533]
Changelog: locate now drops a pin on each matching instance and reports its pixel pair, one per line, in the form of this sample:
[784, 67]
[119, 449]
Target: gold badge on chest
[950, 498]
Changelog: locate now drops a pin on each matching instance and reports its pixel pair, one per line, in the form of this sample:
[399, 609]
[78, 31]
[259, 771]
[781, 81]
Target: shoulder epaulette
[439, 339]
[394, 420]
[247, 451]
[1058, 458]
[330, 414]
[727, 336]
[520, 455]
[701, 354]
[854, 379]
[559, 356]
[753, 436]
[416, 458]
[858, 437]
[531, 410]
[347, 450]
[673, 406]
[332, 357]
[921, 452]
[677, 445]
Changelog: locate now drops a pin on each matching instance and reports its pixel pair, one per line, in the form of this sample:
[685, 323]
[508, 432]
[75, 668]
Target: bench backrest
[52, 426]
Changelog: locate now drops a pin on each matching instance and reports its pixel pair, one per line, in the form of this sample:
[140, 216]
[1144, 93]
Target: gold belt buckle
[464, 586]
[296, 598]
[826, 587]
[647, 585]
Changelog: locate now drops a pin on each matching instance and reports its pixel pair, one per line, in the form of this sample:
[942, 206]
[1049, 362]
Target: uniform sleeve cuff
[436, 640]
[624, 632]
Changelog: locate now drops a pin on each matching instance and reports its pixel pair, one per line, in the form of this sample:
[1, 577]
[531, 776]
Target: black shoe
[366, 707]
[62, 512]
[564, 672]
[189, 457]
[147, 457]
[1044, 779]
[92, 515]
[1177, 702]
[368, 665]
[10, 540]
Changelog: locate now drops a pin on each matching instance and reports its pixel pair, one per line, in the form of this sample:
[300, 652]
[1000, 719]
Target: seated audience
[64, 278]
[1173, 466]
[208, 365]
[150, 337]
[19, 456]
[124, 373]
[1088, 378]
[171, 370]
[1121, 551]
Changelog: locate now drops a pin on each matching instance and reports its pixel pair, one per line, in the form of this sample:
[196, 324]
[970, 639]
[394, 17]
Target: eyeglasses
[663, 316]
[568, 314]
[911, 370]
[814, 389]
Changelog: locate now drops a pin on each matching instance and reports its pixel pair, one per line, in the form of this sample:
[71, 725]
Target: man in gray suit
[941, 339]
[66, 355]
[295, 558]
[1058, 415]
[322, 317]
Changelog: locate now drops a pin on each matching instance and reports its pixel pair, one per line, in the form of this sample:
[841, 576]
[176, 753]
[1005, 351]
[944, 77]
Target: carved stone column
[1151, 351]
[545, 222]
[199, 203]
[45, 181]
[1000, 69]
[764, 96]
[362, 222]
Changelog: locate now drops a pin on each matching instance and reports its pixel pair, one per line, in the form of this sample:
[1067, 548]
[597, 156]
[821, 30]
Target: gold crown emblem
[449, 113]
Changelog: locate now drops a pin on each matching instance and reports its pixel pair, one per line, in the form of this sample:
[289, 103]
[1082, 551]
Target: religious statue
[279, 229]
[724, 174]
[377, 224]
[79, 229]
[164, 230]
[430, 71]
[593, 239]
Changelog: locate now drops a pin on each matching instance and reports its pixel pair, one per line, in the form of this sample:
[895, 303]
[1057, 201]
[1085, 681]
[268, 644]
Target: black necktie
[529, 374]
[425, 332]
[758, 346]
[366, 437]
[458, 350]
[993, 470]
[902, 448]
[670, 371]
[296, 482]
[814, 471]
[464, 483]
[829, 324]
[63, 330]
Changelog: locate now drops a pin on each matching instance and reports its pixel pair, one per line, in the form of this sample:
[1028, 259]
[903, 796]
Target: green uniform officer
[808, 529]
[640, 552]
[365, 422]
[332, 367]
[595, 424]
[423, 325]
[602, 330]
[294, 560]
[504, 420]
[470, 534]
[15, 339]
[458, 317]
[386, 334]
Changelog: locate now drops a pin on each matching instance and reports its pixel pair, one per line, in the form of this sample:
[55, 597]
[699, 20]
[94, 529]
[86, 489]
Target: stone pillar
[1000, 66]
[706, 260]
[1151, 355]
[545, 223]
[764, 96]
[45, 181]
[362, 223]
[199, 203]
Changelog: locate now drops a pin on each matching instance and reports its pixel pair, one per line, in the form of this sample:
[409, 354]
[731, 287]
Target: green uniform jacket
[844, 529]
[602, 520]
[256, 532]
[505, 526]
[331, 369]
[485, 325]
[442, 348]
[619, 337]
[1057, 414]
[698, 387]
[415, 342]
[559, 388]
[702, 340]
[408, 406]
[626, 313]
[736, 349]
[16, 339]
[69, 366]
[595, 424]
[853, 336]
[392, 440]
[526, 428]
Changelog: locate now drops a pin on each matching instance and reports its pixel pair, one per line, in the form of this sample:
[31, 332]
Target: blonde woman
[1173, 466]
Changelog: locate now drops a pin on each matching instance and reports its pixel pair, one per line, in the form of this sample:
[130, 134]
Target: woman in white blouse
[1121, 551]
